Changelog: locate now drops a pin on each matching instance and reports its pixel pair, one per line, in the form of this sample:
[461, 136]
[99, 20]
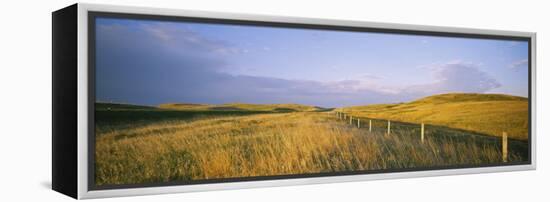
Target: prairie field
[147, 145]
[489, 114]
[182, 101]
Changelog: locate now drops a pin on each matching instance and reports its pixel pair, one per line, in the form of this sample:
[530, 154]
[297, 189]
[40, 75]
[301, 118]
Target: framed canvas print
[150, 101]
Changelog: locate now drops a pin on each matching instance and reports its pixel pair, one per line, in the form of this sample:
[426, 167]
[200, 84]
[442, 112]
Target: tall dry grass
[264, 145]
[490, 114]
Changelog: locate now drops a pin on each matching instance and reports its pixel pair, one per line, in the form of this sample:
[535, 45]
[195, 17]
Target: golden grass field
[490, 114]
[266, 145]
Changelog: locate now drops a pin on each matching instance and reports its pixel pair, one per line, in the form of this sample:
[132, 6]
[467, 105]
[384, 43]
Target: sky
[151, 62]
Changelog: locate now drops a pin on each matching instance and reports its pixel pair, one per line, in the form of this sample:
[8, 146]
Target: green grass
[490, 114]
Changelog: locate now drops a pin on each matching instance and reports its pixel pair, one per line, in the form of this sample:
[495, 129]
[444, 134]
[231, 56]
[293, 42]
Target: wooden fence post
[370, 125]
[504, 147]
[389, 127]
[350, 120]
[358, 123]
[422, 132]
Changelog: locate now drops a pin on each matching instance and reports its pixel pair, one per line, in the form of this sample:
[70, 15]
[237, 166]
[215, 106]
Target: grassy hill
[241, 107]
[101, 106]
[490, 114]
[207, 107]
[112, 115]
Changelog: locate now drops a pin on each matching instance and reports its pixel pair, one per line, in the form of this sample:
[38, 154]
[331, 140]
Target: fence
[356, 122]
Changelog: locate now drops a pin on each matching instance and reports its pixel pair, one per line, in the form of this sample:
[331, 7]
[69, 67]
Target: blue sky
[154, 62]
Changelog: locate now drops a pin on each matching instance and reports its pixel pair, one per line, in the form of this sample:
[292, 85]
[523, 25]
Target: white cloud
[182, 37]
[371, 77]
[513, 43]
[523, 63]
[452, 76]
[456, 76]
[160, 77]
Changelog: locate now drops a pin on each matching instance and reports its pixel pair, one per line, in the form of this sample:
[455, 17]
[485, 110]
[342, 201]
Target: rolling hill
[242, 107]
[489, 114]
[103, 106]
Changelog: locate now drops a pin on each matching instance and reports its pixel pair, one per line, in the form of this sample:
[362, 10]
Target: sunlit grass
[490, 114]
[268, 144]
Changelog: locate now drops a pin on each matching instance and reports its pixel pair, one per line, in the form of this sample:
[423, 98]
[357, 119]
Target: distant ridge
[242, 107]
[468, 97]
[120, 106]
